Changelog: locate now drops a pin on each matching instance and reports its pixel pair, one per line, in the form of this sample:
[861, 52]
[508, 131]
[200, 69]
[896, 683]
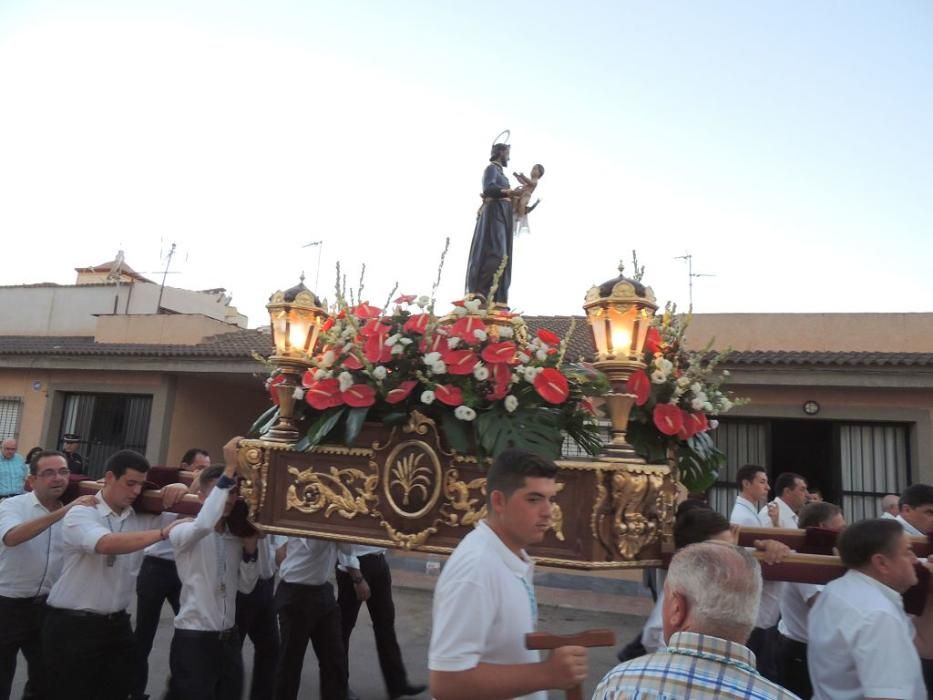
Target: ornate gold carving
[253, 467]
[419, 483]
[634, 515]
[337, 492]
[458, 497]
[557, 517]
[408, 542]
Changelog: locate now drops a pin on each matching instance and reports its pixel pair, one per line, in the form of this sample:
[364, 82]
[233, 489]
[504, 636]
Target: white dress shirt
[30, 568]
[745, 513]
[95, 582]
[887, 516]
[211, 568]
[311, 562]
[787, 518]
[652, 634]
[908, 528]
[362, 550]
[861, 643]
[163, 549]
[795, 609]
[484, 604]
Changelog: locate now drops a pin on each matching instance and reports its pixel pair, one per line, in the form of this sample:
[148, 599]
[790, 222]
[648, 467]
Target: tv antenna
[168, 263]
[317, 275]
[691, 275]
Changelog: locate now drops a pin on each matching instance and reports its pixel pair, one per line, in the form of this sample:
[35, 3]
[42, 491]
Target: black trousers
[21, 630]
[205, 666]
[793, 671]
[375, 569]
[255, 617]
[310, 613]
[87, 656]
[764, 644]
[157, 582]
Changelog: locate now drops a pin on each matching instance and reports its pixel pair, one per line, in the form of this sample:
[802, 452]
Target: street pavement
[413, 626]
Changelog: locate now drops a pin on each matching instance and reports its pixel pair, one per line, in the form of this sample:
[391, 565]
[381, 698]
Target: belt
[222, 635]
[32, 600]
[68, 612]
[152, 559]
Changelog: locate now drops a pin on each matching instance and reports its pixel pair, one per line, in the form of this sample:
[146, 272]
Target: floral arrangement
[677, 399]
[475, 371]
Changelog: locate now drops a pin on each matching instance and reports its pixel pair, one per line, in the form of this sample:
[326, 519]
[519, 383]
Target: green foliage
[354, 423]
[264, 423]
[536, 429]
[321, 427]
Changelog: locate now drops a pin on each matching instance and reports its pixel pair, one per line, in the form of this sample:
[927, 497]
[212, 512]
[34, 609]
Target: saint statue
[492, 237]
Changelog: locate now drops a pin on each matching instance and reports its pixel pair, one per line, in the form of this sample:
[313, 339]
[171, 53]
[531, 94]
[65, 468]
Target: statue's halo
[503, 137]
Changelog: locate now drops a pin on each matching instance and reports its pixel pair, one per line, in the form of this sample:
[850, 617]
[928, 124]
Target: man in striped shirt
[710, 603]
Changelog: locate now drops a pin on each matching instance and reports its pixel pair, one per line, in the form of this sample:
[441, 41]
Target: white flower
[328, 359]
[423, 301]
[726, 405]
[665, 365]
[683, 381]
[523, 358]
[541, 354]
[439, 367]
[516, 377]
[392, 340]
[453, 342]
[481, 373]
[427, 396]
[464, 413]
[713, 424]
[530, 373]
[346, 380]
[298, 394]
[460, 311]
[658, 377]
[707, 406]
[702, 397]
[725, 373]
[472, 305]
[379, 372]
[432, 358]
[322, 374]
[506, 332]
[405, 341]
[511, 403]
[696, 388]
[696, 405]
[479, 334]
[398, 349]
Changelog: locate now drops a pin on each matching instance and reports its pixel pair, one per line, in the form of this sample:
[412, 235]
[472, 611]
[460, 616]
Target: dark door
[106, 423]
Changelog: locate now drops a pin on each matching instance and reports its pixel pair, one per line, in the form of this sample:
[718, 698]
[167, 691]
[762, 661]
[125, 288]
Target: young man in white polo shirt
[30, 562]
[796, 601]
[87, 641]
[484, 603]
[213, 565]
[860, 639]
[916, 510]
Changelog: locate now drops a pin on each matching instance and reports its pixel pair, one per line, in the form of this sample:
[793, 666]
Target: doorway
[805, 447]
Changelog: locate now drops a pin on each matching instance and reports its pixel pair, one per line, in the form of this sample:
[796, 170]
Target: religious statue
[522, 195]
[492, 237]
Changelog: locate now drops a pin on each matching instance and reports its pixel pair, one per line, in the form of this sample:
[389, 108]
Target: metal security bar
[11, 411]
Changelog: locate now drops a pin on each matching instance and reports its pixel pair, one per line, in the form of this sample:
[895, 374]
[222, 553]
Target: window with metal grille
[874, 460]
[743, 442]
[106, 423]
[11, 409]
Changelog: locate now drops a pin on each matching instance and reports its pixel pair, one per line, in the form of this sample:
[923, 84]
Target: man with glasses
[13, 470]
[30, 562]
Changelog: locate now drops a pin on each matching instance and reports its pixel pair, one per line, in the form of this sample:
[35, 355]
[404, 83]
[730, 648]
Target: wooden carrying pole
[590, 638]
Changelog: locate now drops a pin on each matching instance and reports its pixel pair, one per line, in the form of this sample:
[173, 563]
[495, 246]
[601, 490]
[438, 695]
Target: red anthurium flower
[328, 324]
[373, 327]
[307, 379]
[352, 362]
[448, 394]
[460, 361]
[464, 328]
[549, 337]
[640, 385]
[500, 352]
[405, 299]
[342, 314]
[359, 396]
[653, 340]
[458, 303]
[552, 386]
[587, 405]
[324, 394]
[501, 378]
[365, 310]
[438, 343]
[687, 429]
[374, 347]
[668, 418]
[275, 381]
[697, 421]
[401, 392]
[416, 323]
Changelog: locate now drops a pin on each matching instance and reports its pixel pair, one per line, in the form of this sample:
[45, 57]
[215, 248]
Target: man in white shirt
[916, 510]
[308, 611]
[87, 640]
[796, 601]
[791, 490]
[752, 481]
[255, 618]
[158, 583]
[890, 506]
[377, 578]
[860, 638]
[30, 561]
[206, 661]
[484, 603]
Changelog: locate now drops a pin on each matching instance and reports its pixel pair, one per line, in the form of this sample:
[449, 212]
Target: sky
[787, 146]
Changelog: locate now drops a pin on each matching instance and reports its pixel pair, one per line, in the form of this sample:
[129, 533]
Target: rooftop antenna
[691, 275]
[317, 275]
[168, 262]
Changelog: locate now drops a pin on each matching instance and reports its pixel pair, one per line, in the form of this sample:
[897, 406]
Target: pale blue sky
[787, 145]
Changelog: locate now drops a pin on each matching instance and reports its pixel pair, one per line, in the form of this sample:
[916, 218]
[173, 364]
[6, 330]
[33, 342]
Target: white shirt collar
[104, 509]
[786, 510]
[908, 528]
[740, 499]
[518, 564]
[888, 592]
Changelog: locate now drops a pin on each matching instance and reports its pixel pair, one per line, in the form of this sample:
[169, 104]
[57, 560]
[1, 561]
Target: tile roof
[243, 343]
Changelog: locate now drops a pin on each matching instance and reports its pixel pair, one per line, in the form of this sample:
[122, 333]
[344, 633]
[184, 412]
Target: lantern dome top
[622, 289]
[299, 294]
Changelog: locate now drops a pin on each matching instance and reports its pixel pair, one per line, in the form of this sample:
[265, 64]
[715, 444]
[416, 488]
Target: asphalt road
[413, 626]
